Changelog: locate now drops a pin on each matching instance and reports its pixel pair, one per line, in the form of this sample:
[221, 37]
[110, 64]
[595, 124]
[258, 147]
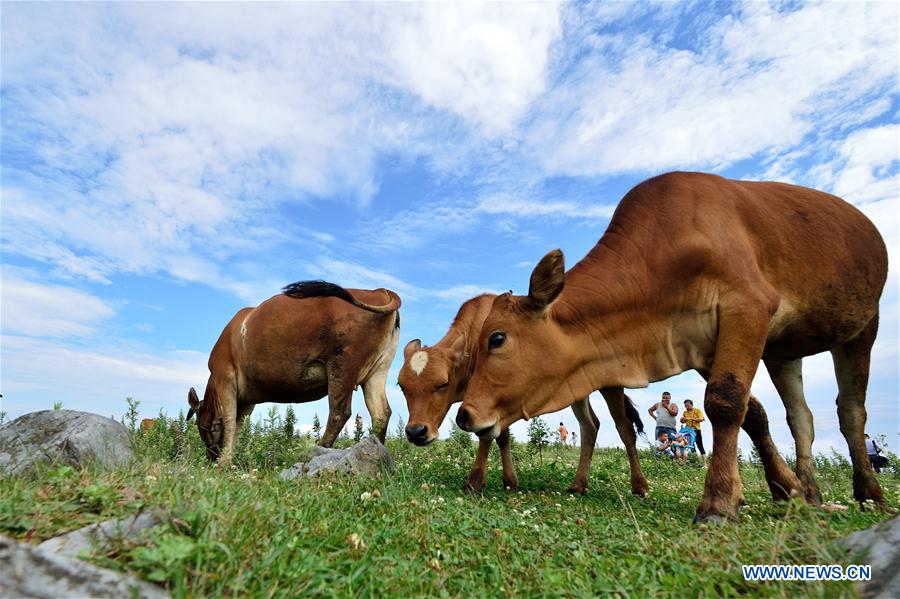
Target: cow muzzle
[485, 430]
[417, 434]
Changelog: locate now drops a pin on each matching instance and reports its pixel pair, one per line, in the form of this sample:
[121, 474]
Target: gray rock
[65, 436]
[878, 546]
[28, 571]
[368, 458]
[100, 536]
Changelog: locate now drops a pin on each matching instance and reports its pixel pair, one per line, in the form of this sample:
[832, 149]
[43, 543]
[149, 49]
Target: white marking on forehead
[418, 362]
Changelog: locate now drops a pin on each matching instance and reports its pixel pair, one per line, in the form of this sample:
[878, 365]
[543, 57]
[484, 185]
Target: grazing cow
[147, 424]
[313, 340]
[434, 378]
[699, 272]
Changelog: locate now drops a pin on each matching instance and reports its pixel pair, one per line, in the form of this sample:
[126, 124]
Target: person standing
[878, 460]
[574, 439]
[692, 417]
[563, 433]
[664, 412]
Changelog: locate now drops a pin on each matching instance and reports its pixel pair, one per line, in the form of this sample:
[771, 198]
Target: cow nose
[416, 432]
[462, 419]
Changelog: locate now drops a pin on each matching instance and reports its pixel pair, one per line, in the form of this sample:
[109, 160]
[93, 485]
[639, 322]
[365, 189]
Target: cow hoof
[712, 519]
[877, 506]
[471, 489]
[577, 489]
[511, 486]
[717, 512]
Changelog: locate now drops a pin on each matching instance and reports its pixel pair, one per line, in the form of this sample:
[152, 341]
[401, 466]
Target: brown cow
[313, 340]
[434, 378]
[699, 272]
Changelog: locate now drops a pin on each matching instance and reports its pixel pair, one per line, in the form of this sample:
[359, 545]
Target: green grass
[245, 532]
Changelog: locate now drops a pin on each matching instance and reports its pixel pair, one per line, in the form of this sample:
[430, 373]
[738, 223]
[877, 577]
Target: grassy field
[244, 532]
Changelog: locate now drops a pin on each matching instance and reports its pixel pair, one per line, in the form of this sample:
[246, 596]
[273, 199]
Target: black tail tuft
[633, 416]
[304, 289]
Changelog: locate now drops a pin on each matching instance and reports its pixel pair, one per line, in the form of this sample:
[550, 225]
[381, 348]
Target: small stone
[356, 542]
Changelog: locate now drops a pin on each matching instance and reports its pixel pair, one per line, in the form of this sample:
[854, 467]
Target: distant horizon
[163, 167]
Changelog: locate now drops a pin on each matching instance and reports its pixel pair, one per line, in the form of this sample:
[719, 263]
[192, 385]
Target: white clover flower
[365, 497]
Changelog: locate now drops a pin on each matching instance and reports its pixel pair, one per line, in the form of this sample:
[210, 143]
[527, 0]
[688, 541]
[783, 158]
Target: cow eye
[442, 386]
[496, 340]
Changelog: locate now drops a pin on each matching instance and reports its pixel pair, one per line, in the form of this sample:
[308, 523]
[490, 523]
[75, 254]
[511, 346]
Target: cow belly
[308, 382]
[799, 334]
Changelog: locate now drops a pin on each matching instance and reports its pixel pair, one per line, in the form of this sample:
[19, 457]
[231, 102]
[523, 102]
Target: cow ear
[458, 350]
[411, 348]
[193, 400]
[547, 281]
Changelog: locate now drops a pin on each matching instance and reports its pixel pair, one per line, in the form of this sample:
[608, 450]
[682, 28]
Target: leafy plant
[290, 422]
[317, 427]
[358, 429]
[131, 415]
[538, 436]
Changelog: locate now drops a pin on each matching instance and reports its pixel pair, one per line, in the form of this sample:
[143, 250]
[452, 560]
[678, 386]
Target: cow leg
[510, 480]
[377, 403]
[475, 481]
[588, 423]
[783, 484]
[340, 400]
[851, 367]
[244, 410]
[787, 376]
[739, 346]
[615, 400]
[478, 474]
[227, 395]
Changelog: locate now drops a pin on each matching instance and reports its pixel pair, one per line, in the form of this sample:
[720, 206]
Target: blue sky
[164, 166]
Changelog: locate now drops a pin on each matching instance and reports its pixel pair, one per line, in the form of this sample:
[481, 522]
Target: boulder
[101, 536]
[29, 571]
[368, 458]
[64, 436]
[878, 546]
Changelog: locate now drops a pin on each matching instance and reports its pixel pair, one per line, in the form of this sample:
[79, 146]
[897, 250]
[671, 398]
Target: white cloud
[868, 156]
[461, 293]
[37, 370]
[484, 62]
[504, 204]
[760, 82]
[38, 309]
[167, 140]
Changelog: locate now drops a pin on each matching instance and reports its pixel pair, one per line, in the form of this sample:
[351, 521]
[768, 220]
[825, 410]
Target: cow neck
[602, 310]
[467, 324]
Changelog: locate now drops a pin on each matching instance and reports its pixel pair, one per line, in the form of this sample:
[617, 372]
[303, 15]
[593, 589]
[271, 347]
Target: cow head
[209, 423]
[522, 358]
[430, 379]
